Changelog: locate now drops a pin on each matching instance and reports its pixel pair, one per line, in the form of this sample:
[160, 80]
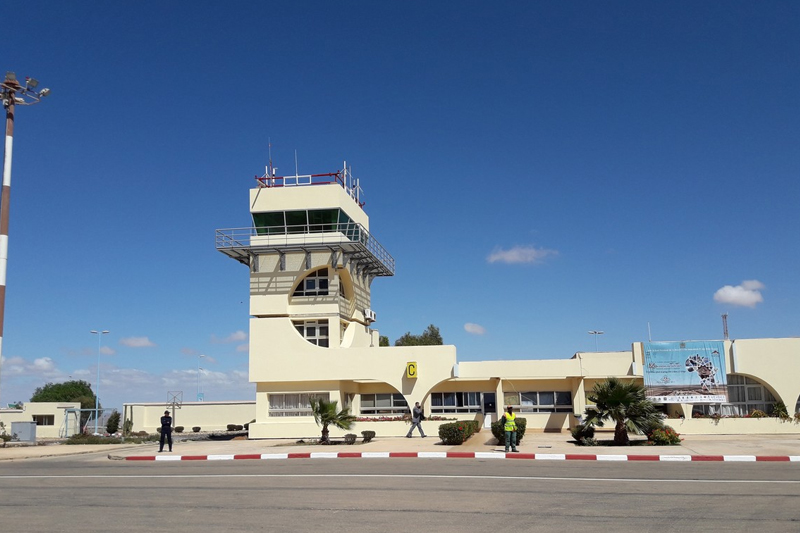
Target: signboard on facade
[685, 372]
[411, 369]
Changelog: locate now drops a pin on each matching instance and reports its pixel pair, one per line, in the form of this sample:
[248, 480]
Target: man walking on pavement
[416, 421]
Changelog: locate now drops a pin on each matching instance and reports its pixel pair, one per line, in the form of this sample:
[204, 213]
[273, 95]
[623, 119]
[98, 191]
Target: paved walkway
[539, 446]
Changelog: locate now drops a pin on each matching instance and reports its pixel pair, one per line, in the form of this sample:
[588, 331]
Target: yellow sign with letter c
[411, 369]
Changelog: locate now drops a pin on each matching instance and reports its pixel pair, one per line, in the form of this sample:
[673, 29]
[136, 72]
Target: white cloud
[236, 336]
[243, 348]
[44, 364]
[521, 254]
[747, 294]
[475, 329]
[137, 342]
[107, 350]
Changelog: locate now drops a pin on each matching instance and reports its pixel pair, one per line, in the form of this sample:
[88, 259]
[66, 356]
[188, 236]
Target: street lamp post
[198, 376]
[97, 384]
[11, 94]
[596, 333]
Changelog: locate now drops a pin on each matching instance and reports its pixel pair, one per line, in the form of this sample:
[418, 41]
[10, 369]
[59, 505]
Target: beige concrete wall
[310, 197]
[64, 425]
[774, 362]
[209, 416]
[278, 353]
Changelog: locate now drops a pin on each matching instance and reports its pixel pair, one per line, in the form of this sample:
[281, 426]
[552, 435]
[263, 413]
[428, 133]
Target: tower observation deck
[308, 213]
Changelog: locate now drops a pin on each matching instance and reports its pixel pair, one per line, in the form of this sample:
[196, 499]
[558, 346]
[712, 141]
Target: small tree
[429, 337]
[326, 414]
[624, 403]
[69, 391]
[112, 426]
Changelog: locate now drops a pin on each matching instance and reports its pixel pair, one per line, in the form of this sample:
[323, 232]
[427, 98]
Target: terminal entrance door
[489, 409]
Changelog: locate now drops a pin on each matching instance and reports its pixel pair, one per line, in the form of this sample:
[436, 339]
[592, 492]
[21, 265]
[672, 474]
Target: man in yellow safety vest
[510, 428]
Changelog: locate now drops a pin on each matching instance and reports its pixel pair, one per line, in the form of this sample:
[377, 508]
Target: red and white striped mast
[12, 93]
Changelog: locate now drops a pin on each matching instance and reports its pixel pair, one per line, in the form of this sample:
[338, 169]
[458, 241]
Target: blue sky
[537, 169]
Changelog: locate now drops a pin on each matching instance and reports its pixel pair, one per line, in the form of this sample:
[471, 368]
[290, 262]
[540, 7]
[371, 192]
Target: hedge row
[456, 433]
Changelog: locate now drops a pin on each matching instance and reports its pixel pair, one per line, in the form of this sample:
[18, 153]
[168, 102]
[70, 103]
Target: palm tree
[326, 413]
[624, 403]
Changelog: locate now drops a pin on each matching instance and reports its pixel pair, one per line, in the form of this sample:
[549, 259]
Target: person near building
[510, 427]
[417, 417]
[166, 431]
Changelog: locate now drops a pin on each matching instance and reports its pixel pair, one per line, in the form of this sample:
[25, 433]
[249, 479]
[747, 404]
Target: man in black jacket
[416, 420]
[166, 431]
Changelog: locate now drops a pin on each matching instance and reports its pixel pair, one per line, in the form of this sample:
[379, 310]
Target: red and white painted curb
[471, 455]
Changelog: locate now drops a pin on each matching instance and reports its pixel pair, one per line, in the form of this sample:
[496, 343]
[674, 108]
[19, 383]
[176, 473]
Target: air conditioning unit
[369, 315]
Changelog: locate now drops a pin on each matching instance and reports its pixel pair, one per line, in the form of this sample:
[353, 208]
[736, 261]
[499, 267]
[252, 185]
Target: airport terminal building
[312, 259]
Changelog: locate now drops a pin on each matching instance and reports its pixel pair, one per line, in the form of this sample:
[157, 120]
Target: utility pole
[11, 93]
[595, 333]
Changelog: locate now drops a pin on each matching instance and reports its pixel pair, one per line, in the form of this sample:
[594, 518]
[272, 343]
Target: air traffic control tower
[311, 257]
[312, 260]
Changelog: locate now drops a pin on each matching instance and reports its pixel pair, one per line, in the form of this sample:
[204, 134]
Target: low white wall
[733, 426]
[209, 416]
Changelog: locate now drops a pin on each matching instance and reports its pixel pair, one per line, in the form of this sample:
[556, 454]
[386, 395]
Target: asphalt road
[91, 493]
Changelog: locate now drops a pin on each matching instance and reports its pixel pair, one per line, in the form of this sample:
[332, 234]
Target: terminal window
[540, 401]
[45, 420]
[383, 404]
[456, 402]
[294, 404]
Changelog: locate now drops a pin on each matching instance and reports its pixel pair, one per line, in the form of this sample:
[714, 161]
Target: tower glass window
[305, 221]
[314, 331]
[315, 284]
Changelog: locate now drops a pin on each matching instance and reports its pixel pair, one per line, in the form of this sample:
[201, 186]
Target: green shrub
[665, 436]
[368, 435]
[178, 429]
[92, 439]
[112, 426]
[500, 434]
[652, 424]
[231, 427]
[581, 432]
[239, 427]
[350, 438]
[196, 429]
[757, 413]
[456, 433]
[779, 410]
[127, 426]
